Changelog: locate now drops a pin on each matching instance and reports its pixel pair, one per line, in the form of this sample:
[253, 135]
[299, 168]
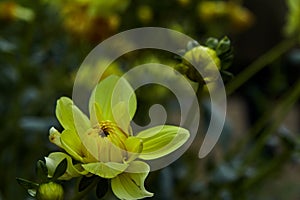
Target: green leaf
[105, 170]
[223, 46]
[226, 75]
[224, 51]
[32, 192]
[161, 140]
[85, 182]
[212, 43]
[226, 59]
[131, 185]
[26, 184]
[192, 44]
[102, 188]
[60, 169]
[42, 170]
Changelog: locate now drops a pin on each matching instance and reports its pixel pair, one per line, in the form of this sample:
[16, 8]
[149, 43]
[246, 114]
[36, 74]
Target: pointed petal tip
[162, 140]
[54, 137]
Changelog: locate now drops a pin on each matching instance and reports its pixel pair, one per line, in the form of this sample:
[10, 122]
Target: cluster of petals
[103, 143]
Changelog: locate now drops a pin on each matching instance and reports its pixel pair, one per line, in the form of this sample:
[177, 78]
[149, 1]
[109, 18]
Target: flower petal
[105, 170]
[161, 140]
[95, 114]
[134, 147]
[54, 137]
[70, 117]
[110, 92]
[131, 185]
[103, 149]
[122, 118]
[72, 145]
[72, 170]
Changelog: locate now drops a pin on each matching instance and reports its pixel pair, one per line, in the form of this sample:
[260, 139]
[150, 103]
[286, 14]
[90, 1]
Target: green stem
[278, 115]
[273, 166]
[194, 104]
[80, 195]
[259, 64]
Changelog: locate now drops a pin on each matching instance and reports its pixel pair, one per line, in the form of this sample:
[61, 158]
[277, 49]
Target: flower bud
[50, 191]
[206, 59]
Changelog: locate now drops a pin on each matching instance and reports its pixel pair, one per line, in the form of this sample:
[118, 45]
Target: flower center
[105, 128]
[109, 130]
[110, 142]
[103, 133]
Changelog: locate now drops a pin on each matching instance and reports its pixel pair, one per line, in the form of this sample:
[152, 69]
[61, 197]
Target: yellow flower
[104, 144]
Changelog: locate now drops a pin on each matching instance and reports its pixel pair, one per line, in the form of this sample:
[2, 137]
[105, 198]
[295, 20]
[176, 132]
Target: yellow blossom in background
[91, 19]
[10, 10]
[145, 14]
[238, 17]
[184, 2]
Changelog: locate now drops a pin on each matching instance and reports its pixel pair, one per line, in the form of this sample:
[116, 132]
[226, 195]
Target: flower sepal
[48, 189]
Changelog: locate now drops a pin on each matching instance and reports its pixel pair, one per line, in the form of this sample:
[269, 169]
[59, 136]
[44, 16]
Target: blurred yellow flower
[238, 17]
[91, 19]
[145, 14]
[10, 10]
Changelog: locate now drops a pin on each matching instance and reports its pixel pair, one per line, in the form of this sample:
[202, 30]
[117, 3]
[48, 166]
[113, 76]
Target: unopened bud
[207, 62]
[50, 191]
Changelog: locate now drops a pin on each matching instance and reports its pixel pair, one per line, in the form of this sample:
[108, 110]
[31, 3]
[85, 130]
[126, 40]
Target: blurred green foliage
[42, 44]
[293, 23]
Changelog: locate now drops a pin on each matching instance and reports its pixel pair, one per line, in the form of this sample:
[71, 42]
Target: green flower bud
[50, 191]
[206, 59]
